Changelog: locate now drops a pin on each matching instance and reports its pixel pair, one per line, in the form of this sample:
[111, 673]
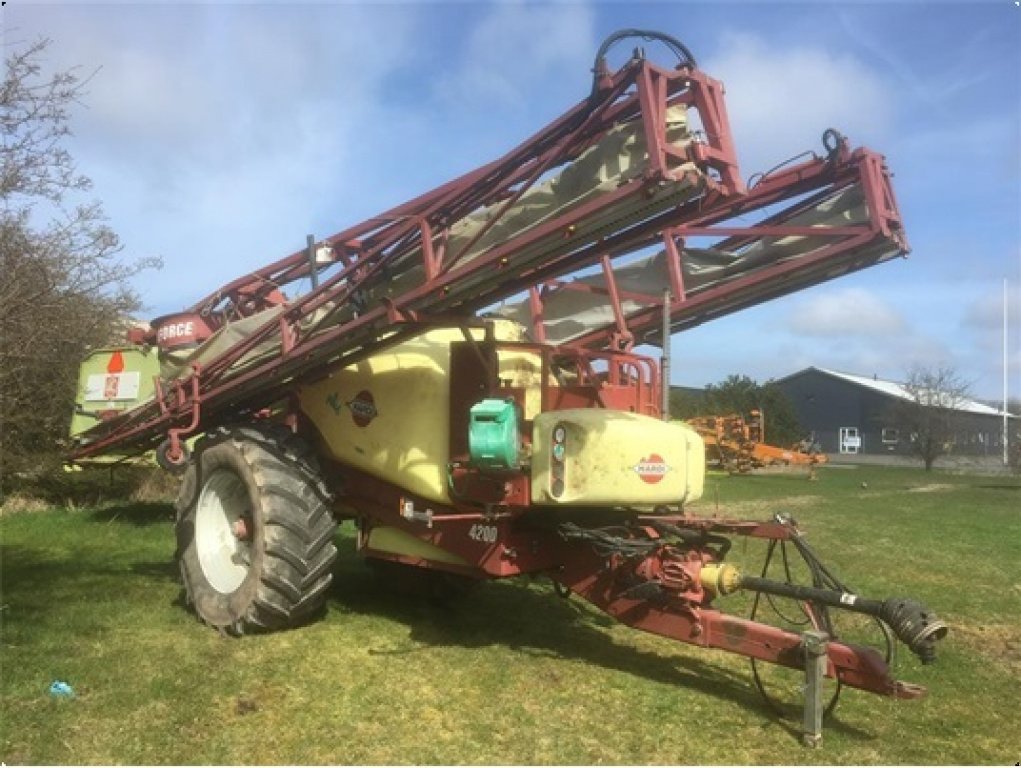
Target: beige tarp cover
[175, 365]
[569, 314]
[617, 158]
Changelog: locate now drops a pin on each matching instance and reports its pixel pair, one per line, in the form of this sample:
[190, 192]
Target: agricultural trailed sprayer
[461, 380]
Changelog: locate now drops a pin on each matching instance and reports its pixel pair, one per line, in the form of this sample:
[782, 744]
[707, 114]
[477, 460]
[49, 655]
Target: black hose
[755, 178]
[832, 139]
[605, 542]
[760, 685]
[824, 578]
[684, 55]
[698, 538]
[790, 580]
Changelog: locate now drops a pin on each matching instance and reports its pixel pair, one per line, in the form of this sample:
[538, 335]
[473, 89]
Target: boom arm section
[844, 218]
[624, 169]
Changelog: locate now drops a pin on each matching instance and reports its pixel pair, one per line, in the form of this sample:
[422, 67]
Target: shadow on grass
[831, 722]
[37, 584]
[28, 569]
[511, 614]
[135, 513]
[516, 615]
[167, 570]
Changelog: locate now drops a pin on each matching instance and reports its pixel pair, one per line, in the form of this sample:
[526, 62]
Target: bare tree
[931, 413]
[63, 287]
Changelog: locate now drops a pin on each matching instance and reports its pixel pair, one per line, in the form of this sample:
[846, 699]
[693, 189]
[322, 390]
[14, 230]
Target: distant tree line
[740, 394]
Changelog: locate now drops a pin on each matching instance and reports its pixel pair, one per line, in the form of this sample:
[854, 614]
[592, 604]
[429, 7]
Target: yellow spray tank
[390, 417]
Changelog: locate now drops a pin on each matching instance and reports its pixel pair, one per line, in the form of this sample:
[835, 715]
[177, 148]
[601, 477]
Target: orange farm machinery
[738, 444]
[462, 382]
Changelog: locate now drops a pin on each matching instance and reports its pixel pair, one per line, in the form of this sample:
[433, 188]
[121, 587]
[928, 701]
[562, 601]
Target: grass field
[511, 674]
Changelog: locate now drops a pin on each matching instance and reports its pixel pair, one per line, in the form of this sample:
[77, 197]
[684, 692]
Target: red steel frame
[685, 613]
[849, 248]
[699, 623]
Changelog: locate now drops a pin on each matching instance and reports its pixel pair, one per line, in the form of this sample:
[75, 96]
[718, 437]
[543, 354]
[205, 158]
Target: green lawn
[512, 674]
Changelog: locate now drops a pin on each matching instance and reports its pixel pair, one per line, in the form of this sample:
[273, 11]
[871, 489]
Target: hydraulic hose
[684, 55]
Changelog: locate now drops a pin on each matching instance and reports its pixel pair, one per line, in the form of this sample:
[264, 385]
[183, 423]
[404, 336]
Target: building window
[849, 440]
[891, 435]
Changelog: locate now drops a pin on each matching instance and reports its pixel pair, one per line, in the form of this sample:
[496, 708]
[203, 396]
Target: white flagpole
[1006, 459]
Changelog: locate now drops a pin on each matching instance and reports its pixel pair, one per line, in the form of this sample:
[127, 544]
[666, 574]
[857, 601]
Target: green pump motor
[493, 437]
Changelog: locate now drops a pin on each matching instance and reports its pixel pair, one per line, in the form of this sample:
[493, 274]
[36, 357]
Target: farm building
[851, 414]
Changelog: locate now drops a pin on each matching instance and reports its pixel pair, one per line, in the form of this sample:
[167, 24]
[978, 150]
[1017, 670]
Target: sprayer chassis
[520, 542]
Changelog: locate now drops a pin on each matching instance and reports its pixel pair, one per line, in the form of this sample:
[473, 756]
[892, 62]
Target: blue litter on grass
[61, 690]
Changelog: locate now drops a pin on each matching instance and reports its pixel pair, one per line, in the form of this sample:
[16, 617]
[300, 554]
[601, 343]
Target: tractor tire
[254, 531]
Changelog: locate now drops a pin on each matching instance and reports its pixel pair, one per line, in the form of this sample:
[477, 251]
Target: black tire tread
[298, 528]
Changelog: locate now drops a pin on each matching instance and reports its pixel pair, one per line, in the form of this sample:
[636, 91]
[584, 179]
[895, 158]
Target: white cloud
[844, 313]
[758, 342]
[957, 77]
[982, 324]
[781, 99]
[985, 313]
[219, 135]
[231, 82]
[957, 148]
[520, 48]
[891, 359]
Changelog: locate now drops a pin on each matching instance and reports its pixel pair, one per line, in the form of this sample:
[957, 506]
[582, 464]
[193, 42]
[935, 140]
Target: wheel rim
[223, 531]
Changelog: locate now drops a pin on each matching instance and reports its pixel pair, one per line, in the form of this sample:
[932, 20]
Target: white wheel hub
[222, 531]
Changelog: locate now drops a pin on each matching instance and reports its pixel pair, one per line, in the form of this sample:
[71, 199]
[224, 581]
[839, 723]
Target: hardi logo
[363, 408]
[651, 469]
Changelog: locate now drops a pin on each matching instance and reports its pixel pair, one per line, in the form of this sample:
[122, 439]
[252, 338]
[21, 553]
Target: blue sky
[218, 135]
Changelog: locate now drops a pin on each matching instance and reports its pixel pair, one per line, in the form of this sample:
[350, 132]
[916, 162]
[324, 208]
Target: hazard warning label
[102, 387]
